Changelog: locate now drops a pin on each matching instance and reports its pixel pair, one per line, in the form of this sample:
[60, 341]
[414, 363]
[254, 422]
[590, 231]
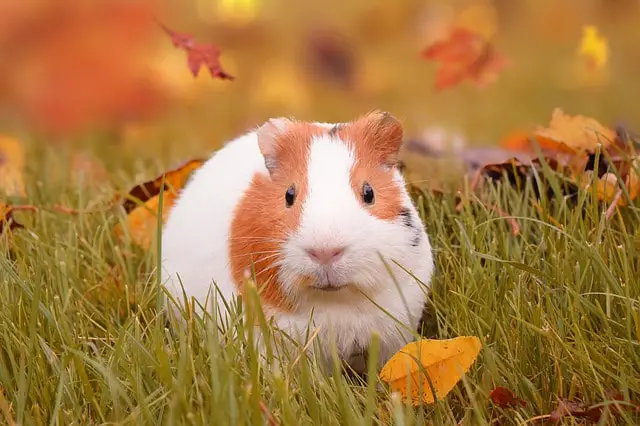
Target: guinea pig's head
[333, 204]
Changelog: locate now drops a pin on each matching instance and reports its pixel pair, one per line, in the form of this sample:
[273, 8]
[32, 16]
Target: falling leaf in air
[12, 162]
[505, 398]
[198, 54]
[594, 48]
[465, 55]
[142, 202]
[445, 361]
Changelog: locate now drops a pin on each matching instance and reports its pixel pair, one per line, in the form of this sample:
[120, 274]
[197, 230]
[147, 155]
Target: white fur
[195, 246]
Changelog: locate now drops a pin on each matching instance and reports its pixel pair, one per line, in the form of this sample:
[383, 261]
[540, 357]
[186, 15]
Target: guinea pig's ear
[268, 140]
[384, 133]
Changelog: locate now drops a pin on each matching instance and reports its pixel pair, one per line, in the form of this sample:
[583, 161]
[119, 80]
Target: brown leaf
[174, 180]
[465, 55]
[141, 220]
[198, 54]
[593, 413]
[7, 221]
[505, 398]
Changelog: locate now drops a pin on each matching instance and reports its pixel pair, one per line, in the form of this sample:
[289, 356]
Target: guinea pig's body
[311, 209]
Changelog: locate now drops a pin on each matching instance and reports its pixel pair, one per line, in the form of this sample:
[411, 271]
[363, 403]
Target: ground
[555, 307]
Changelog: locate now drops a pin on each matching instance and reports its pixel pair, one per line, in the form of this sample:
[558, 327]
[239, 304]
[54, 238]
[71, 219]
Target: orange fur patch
[262, 220]
[376, 139]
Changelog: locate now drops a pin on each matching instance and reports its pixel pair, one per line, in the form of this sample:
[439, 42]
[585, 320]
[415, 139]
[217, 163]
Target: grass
[557, 309]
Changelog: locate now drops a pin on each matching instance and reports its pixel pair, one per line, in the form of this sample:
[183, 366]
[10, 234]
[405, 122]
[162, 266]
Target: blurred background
[80, 73]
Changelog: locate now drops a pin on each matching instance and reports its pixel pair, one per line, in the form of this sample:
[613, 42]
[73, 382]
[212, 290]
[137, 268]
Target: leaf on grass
[465, 55]
[505, 398]
[592, 413]
[7, 221]
[198, 54]
[570, 142]
[141, 218]
[443, 360]
[12, 161]
[578, 132]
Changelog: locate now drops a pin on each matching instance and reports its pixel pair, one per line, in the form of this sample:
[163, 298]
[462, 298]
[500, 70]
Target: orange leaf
[578, 132]
[12, 161]
[445, 361]
[465, 54]
[141, 219]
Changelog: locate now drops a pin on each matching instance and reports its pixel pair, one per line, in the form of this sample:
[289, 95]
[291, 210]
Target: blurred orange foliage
[65, 64]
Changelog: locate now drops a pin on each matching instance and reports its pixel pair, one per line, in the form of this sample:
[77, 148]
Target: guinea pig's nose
[327, 255]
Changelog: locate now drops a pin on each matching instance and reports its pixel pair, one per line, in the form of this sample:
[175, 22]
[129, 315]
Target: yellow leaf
[142, 221]
[12, 161]
[593, 47]
[443, 360]
[142, 218]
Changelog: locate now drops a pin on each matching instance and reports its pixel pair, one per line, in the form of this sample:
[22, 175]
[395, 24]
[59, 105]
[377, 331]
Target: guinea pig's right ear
[268, 140]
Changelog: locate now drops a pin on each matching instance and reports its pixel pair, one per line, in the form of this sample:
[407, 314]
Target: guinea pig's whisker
[272, 252]
[261, 239]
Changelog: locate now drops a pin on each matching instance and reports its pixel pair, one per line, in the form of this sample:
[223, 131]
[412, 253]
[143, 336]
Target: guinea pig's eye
[367, 193]
[290, 195]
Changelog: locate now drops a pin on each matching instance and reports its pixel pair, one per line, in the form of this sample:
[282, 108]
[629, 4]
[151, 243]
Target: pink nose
[325, 256]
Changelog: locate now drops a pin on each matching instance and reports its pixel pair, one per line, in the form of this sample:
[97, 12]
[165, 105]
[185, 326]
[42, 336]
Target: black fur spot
[415, 241]
[406, 218]
[334, 130]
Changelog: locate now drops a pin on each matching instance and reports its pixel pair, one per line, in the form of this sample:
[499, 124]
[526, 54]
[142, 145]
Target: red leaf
[198, 54]
[465, 55]
[505, 398]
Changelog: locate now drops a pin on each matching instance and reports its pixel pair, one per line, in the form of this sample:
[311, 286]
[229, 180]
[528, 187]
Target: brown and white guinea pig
[311, 209]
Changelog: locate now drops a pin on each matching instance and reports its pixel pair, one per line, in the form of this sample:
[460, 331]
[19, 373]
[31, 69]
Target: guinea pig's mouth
[327, 280]
[329, 288]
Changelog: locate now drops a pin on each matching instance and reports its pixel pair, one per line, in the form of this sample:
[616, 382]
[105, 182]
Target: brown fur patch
[262, 220]
[376, 139]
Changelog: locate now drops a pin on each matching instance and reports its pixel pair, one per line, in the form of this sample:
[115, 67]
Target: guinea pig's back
[195, 235]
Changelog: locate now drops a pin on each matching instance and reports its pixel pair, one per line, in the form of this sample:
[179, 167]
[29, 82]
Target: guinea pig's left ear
[384, 132]
[268, 140]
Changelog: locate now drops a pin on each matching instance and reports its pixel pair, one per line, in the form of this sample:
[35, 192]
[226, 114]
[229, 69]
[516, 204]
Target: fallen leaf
[12, 162]
[443, 360]
[6, 216]
[505, 398]
[577, 132]
[141, 220]
[592, 413]
[465, 55]
[198, 54]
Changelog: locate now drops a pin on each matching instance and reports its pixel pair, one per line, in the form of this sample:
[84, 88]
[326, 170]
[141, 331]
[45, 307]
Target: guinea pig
[320, 214]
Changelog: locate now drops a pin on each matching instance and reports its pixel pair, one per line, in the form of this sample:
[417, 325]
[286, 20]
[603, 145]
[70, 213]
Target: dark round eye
[290, 196]
[367, 193]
